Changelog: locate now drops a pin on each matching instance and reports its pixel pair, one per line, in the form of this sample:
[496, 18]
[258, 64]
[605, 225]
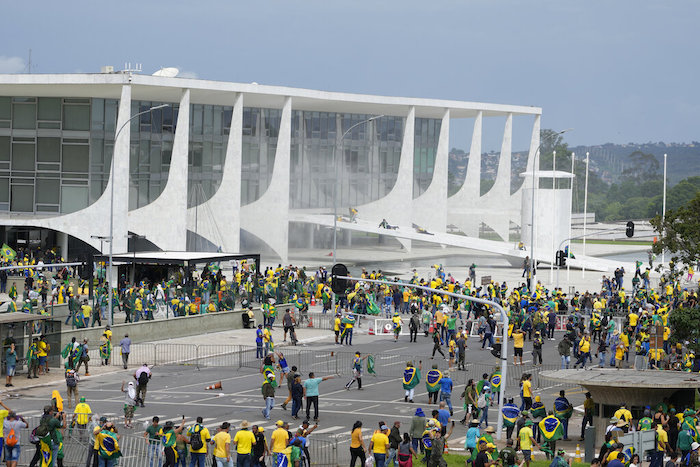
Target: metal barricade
[218, 355]
[183, 354]
[323, 452]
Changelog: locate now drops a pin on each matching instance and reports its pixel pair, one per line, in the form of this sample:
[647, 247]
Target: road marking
[329, 429]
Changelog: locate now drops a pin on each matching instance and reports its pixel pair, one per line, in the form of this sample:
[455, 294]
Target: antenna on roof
[137, 68]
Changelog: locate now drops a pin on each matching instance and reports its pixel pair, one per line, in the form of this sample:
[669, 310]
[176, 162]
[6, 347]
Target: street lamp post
[533, 262]
[663, 213]
[335, 191]
[111, 205]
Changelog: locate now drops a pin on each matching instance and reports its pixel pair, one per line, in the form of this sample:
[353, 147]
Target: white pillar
[585, 216]
[62, 240]
[663, 212]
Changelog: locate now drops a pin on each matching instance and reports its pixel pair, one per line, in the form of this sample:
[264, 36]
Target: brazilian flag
[108, 445]
[496, 381]
[551, 428]
[269, 375]
[372, 308]
[409, 375]
[7, 252]
[692, 432]
[537, 410]
[511, 412]
[46, 452]
[562, 408]
[432, 380]
[427, 440]
[370, 365]
[628, 453]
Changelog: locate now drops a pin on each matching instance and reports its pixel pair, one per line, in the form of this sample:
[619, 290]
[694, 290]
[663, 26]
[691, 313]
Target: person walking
[394, 441]
[244, 440]
[356, 371]
[142, 376]
[10, 364]
[72, 379]
[129, 402]
[268, 393]
[357, 445]
[311, 393]
[82, 415]
[125, 345]
[198, 438]
[152, 434]
[222, 446]
[379, 445]
[84, 358]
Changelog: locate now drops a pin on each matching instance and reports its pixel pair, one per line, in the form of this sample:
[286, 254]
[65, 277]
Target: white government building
[225, 163]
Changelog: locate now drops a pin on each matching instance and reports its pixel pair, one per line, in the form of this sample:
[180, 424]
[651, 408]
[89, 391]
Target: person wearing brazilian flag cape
[432, 384]
[411, 378]
[551, 429]
[563, 411]
[510, 412]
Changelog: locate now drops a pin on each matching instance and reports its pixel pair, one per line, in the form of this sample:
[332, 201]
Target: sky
[615, 71]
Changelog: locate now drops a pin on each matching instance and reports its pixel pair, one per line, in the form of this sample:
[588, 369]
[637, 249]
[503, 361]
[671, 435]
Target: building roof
[18, 317]
[173, 257]
[164, 89]
[611, 377]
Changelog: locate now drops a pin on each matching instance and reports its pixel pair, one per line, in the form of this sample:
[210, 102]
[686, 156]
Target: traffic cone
[311, 322]
[371, 330]
[214, 386]
[330, 254]
[578, 452]
[313, 301]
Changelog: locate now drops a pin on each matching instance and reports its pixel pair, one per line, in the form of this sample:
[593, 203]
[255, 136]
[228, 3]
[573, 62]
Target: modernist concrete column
[462, 207]
[62, 240]
[268, 217]
[533, 153]
[430, 208]
[497, 202]
[120, 177]
[396, 206]
[223, 228]
[167, 208]
[97, 214]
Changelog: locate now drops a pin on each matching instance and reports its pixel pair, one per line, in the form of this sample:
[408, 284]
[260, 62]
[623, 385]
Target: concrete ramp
[508, 250]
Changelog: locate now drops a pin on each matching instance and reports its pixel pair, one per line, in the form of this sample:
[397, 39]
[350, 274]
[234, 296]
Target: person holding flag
[348, 323]
[356, 371]
[411, 378]
[396, 322]
[8, 253]
[105, 349]
[537, 412]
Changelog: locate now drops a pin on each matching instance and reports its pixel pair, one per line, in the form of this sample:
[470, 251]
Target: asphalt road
[179, 390]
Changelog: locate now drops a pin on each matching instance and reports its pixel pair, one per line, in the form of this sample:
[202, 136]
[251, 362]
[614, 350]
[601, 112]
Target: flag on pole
[370, 365]
[8, 252]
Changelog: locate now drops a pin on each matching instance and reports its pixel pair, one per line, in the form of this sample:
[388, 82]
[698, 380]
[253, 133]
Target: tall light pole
[573, 159]
[663, 211]
[111, 205]
[554, 212]
[585, 215]
[533, 262]
[335, 191]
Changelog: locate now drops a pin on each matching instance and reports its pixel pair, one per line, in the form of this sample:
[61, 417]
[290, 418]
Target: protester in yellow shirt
[518, 343]
[244, 441]
[279, 438]
[222, 444]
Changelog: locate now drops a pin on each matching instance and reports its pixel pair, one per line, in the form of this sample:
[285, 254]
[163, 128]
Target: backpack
[11, 438]
[40, 431]
[143, 378]
[196, 438]
[70, 379]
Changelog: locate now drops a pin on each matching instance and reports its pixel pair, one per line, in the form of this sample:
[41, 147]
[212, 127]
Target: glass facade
[151, 149]
[427, 134]
[210, 126]
[54, 152]
[261, 129]
[368, 163]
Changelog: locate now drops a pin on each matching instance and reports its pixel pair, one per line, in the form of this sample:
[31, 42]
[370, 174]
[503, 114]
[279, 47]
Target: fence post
[155, 353]
[196, 356]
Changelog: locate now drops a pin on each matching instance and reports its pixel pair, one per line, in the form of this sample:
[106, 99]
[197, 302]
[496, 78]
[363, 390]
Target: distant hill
[612, 159]
[607, 160]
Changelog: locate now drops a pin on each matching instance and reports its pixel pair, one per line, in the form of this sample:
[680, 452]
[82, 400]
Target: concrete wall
[161, 329]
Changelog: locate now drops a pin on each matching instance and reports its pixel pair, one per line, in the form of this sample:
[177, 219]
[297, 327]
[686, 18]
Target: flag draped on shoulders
[432, 380]
[510, 412]
[551, 428]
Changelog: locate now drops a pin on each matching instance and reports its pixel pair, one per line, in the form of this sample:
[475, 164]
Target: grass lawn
[456, 460]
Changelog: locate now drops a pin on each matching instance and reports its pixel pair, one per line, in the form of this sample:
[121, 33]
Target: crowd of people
[609, 324]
